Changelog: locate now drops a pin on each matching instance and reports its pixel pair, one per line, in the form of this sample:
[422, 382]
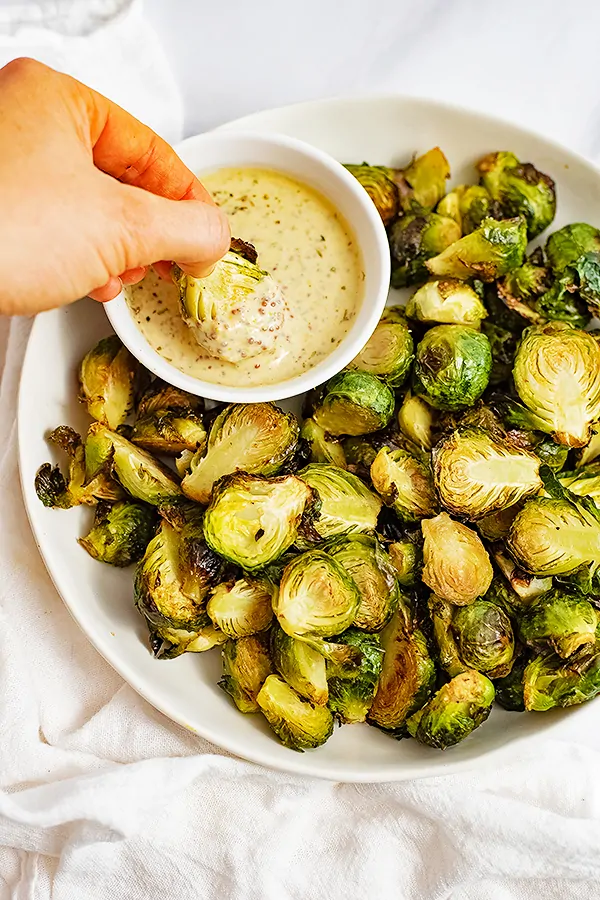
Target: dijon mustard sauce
[308, 249]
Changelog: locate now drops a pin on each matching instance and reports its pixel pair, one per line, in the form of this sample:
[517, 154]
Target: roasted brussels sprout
[509, 690]
[159, 396]
[558, 621]
[441, 614]
[257, 438]
[302, 666]
[407, 677]
[108, 380]
[557, 376]
[297, 723]
[120, 533]
[497, 525]
[448, 301]
[528, 282]
[169, 432]
[237, 311]
[468, 205]
[526, 586]
[503, 344]
[452, 366]
[550, 681]
[567, 245]
[317, 598]
[380, 184]
[456, 564]
[405, 484]
[422, 184]
[354, 403]
[484, 637]
[246, 667]
[416, 420]
[407, 559]
[369, 566]
[520, 190]
[489, 252]
[476, 474]
[414, 239]
[323, 449]
[388, 353]
[252, 521]
[585, 482]
[346, 506]
[454, 712]
[243, 607]
[352, 688]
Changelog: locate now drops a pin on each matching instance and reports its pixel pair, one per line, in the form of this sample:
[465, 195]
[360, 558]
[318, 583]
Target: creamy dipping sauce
[308, 249]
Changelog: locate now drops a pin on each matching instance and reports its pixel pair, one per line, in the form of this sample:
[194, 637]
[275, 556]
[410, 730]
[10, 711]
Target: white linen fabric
[101, 797]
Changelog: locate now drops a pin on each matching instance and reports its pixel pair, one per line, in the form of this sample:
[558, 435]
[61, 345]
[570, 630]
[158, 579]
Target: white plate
[382, 130]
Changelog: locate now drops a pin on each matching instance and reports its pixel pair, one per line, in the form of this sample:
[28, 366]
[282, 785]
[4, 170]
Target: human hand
[89, 196]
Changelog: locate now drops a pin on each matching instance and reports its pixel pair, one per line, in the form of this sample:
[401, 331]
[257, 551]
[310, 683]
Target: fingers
[108, 291]
[132, 276]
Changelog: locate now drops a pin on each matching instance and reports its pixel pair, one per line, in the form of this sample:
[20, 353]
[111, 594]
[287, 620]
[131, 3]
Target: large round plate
[382, 130]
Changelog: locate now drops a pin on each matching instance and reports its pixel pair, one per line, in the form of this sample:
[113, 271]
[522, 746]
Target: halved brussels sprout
[160, 395]
[347, 506]
[405, 483]
[257, 438]
[416, 420]
[487, 253]
[352, 688]
[526, 586]
[407, 677]
[550, 681]
[252, 521]
[565, 246]
[302, 666]
[585, 482]
[468, 205]
[422, 184]
[520, 190]
[369, 566]
[407, 559]
[559, 621]
[441, 613]
[497, 525]
[120, 533]
[246, 667]
[528, 282]
[169, 432]
[484, 637]
[476, 474]
[557, 376]
[446, 300]
[169, 643]
[354, 403]
[297, 723]
[323, 449]
[454, 712]
[141, 474]
[388, 353]
[509, 690]
[237, 311]
[452, 366]
[108, 379]
[456, 564]
[317, 597]
[379, 183]
[243, 607]
[414, 239]
[54, 490]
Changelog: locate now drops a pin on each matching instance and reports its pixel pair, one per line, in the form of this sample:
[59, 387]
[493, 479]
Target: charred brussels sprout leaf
[369, 566]
[487, 253]
[297, 723]
[484, 637]
[160, 396]
[519, 189]
[246, 667]
[550, 681]
[237, 311]
[557, 376]
[414, 239]
[108, 379]
[509, 690]
[121, 532]
[454, 712]
[388, 353]
[448, 301]
[476, 474]
[354, 403]
[379, 183]
[169, 432]
[257, 438]
[452, 366]
[456, 564]
[352, 688]
[243, 607]
[524, 585]
[416, 419]
[301, 666]
[405, 484]
[407, 559]
[468, 205]
[252, 521]
[346, 505]
[558, 621]
[323, 449]
[422, 184]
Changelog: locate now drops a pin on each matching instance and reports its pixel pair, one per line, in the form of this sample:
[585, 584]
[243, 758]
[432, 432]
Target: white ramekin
[219, 149]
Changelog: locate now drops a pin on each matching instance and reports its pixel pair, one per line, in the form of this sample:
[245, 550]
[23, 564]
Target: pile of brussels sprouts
[426, 539]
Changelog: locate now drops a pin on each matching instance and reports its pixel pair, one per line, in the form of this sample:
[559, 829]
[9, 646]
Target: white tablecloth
[101, 797]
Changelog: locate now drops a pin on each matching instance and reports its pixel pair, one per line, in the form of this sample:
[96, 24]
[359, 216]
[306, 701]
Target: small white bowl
[215, 150]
